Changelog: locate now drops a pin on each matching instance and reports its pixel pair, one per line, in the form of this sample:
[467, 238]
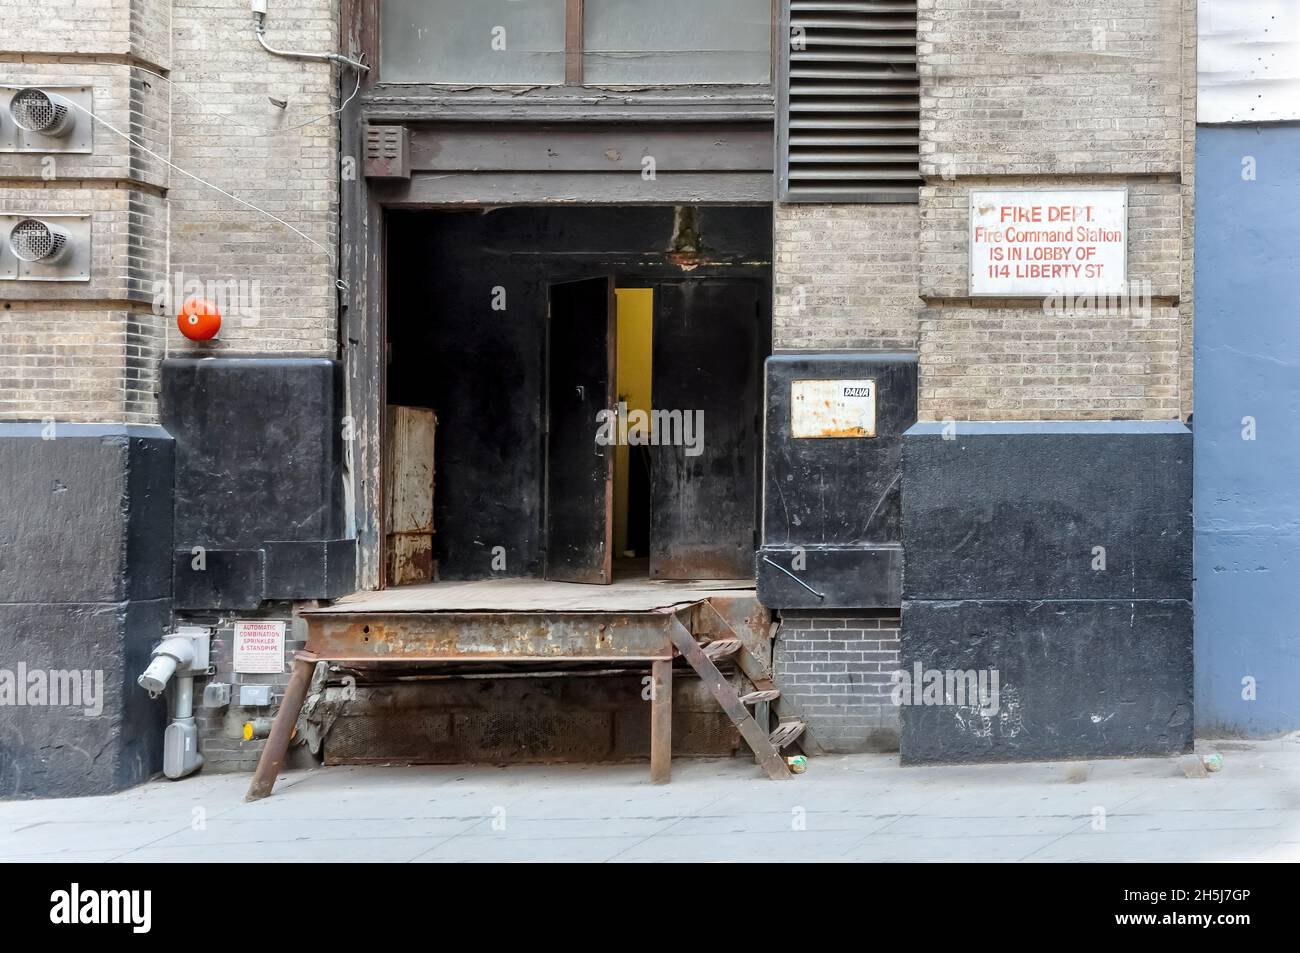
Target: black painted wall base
[85, 588]
[1048, 567]
[259, 487]
[1085, 679]
[830, 530]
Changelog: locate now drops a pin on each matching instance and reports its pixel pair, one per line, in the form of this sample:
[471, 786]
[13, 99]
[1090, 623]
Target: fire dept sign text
[1031, 242]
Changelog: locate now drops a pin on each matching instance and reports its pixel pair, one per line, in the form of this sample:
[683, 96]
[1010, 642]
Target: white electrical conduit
[259, 16]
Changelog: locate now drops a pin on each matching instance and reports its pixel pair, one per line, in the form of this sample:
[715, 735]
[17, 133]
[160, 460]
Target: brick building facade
[1012, 96]
[1008, 95]
[87, 568]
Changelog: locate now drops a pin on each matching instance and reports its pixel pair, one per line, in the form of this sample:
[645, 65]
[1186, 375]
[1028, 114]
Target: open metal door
[579, 462]
[703, 488]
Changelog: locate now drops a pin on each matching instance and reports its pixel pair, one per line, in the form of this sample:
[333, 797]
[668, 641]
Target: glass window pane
[479, 42]
[673, 42]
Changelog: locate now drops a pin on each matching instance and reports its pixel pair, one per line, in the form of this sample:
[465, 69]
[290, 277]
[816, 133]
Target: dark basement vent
[850, 102]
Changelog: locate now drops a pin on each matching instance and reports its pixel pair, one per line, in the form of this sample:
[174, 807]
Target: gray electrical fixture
[254, 696]
[37, 246]
[45, 119]
[216, 695]
[178, 659]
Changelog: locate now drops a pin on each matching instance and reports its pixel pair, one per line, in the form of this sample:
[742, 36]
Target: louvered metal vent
[850, 102]
[34, 240]
[38, 111]
[388, 154]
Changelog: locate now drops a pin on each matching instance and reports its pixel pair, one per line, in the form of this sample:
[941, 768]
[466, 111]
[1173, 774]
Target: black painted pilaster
[1058, 556]
[85, 587]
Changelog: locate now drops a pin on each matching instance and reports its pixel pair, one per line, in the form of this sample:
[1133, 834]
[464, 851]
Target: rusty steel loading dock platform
[529, 625]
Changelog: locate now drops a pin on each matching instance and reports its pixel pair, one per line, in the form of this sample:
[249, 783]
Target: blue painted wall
[1247, 492]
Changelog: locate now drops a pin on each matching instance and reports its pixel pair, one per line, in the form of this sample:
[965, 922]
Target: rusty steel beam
[497, 636]
[277, 744]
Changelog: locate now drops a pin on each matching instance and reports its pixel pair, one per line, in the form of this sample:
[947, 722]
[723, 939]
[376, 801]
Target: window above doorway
[601, 43]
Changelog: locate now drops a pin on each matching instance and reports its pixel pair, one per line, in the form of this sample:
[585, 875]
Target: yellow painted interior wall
[635, 321]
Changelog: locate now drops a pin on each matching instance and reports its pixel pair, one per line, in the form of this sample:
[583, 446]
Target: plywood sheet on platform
[537, 595]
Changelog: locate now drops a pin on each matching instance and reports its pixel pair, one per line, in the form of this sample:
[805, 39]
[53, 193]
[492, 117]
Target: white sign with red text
[1034, 242]
[259, 647]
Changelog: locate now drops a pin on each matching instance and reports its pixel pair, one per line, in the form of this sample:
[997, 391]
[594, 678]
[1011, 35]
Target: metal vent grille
[387, 152]
[33, 240]
[383, 142]
[850, 98]
[37, 111]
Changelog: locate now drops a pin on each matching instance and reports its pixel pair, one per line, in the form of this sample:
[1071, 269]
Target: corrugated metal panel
[850, 102]
[1248, 61]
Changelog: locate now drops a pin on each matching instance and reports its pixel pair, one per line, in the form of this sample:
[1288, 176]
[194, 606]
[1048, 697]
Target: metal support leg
[277, 744]
[661, 721]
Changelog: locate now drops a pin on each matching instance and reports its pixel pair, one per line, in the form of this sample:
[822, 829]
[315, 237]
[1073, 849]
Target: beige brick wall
[1067, 94]
[86, 351]
[226, 129]
[91, 351]
[128, 98]
[1188, 180]
[845, 276]
[67, 363]
[89, 29]
[1061, 95]
[1012, 363]
[1050, 87]
[128, 240]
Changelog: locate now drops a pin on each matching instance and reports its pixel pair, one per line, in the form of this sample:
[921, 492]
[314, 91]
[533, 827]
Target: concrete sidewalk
[848, 808]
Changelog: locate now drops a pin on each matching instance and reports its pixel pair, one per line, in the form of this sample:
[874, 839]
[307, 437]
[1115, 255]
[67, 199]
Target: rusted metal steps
[710, 624]
[695, 632]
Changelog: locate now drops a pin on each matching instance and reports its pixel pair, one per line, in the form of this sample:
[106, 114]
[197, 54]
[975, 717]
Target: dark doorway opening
[596, 377]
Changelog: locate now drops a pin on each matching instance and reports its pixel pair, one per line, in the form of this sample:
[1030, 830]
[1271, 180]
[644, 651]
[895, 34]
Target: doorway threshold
[538, 595]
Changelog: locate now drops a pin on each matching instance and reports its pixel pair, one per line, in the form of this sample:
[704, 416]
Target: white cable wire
[261, 133]
[332, 112]
[171, 165]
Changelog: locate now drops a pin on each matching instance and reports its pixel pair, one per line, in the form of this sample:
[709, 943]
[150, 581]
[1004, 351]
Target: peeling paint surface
[833, 408]
[1248, 61]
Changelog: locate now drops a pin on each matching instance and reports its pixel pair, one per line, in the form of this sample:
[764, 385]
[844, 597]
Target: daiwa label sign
[1030, 242]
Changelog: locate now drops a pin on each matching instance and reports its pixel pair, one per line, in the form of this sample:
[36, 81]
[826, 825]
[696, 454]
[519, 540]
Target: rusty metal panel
[411, 432]
[410, 558]
[388, 152]
[453, 636]
[832, 408]
[748, 619]
[408, 491]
